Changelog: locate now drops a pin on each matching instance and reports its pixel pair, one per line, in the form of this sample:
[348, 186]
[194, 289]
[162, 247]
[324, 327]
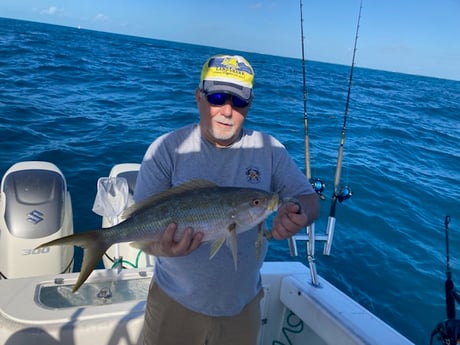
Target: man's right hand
[167, 246]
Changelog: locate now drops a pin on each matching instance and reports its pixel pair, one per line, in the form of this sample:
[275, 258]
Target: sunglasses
[220, 98]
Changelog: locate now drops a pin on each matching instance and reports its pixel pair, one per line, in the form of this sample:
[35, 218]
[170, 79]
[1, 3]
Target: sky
[419, 37]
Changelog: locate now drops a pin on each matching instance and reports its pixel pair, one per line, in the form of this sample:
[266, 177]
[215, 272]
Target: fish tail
[94, 246]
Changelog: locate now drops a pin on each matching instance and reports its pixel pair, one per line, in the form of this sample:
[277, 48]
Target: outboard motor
[35, 207]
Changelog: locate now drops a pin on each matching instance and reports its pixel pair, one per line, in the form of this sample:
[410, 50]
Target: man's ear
[197, 95]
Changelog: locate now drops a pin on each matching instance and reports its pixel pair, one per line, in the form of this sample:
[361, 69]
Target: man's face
[220, 124]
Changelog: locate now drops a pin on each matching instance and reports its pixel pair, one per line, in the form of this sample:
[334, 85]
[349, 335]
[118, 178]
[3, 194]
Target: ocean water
[87, 100]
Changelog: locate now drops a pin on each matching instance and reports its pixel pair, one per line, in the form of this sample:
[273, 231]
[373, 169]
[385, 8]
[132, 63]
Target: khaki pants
[169, 323]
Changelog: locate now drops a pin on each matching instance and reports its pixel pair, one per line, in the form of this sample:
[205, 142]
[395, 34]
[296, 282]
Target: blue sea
[86, 100]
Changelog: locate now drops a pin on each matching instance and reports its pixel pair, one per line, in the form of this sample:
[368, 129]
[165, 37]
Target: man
[194, 300]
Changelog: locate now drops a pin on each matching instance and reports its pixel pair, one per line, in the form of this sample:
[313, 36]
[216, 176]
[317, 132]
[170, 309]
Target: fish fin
[94, 246]
[190, 185]
[234, 245]
[258, 244]
[142, 245]
[215, 246]
[268, 235]
[262, 232]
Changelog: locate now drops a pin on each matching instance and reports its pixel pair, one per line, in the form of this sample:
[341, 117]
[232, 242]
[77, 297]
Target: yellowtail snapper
[220, 213]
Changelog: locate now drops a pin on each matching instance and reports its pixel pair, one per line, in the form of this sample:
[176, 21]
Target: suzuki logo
[35, 217]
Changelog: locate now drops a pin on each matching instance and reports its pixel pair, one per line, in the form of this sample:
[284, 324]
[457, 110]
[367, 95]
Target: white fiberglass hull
[109, 309]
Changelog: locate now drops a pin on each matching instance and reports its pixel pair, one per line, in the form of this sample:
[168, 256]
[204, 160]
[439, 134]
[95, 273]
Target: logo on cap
[231, 69]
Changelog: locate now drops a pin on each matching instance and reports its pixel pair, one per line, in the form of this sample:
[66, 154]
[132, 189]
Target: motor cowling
[35, 207]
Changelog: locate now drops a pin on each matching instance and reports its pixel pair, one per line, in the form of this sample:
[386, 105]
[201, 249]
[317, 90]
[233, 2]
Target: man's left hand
[293, 216]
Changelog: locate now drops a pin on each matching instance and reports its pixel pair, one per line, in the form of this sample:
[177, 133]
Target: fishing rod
[305, 113]
[448, 330]
[341, 193]
[317, 184]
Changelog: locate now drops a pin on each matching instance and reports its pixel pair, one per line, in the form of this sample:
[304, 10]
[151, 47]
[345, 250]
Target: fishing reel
[318, 186]
[343, 194]
[448, 332]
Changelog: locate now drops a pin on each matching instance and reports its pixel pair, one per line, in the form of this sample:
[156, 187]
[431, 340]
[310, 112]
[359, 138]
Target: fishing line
[341, 193]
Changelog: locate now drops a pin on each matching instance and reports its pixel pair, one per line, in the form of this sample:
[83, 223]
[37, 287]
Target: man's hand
[167, 246]
[292, 217]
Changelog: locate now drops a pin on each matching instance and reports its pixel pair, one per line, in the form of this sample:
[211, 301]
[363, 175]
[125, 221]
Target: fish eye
[255, 202]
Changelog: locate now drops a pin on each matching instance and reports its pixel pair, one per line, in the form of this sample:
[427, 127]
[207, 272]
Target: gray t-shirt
[256, 160]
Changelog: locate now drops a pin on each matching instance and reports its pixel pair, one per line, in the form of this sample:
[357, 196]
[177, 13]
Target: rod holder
[310, 238]
[329, 235]
[292, 246]
[311, 254]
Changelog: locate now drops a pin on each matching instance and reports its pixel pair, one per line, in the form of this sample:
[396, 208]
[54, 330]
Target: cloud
[101, 17]
[256, 5]
[52, 11]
